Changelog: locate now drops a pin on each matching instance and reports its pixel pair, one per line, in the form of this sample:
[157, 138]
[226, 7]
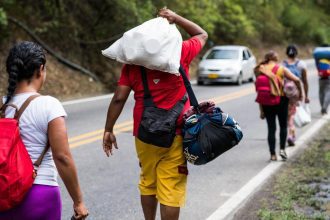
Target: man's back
[166, 89]
[163, 170]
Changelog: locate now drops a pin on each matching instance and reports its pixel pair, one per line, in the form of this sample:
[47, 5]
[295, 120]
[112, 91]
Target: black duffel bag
[208, 132]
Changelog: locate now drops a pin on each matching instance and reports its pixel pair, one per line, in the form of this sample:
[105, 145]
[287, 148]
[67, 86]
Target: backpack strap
[275, 68]
[19, 114]
[286, 64]
[25, 105]
[4, 107]
[41, 157]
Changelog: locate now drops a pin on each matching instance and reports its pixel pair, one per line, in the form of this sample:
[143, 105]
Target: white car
[226, 64]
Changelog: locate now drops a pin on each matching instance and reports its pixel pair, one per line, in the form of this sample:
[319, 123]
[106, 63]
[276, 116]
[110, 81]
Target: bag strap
[179, 105]
[4, 107]
[147, 95]
[286, 63]
[25, 105]
[147, 99]
[18, 112]
[187, 84]
[41, 157]
[275, 68]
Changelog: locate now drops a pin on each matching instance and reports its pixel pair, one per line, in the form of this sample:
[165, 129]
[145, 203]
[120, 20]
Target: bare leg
[169, 213]
[149, 206]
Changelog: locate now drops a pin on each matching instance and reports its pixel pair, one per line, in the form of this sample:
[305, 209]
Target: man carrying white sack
[163, 170]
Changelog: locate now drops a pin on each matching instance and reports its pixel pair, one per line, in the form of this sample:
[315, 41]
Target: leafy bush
[80, 29]
[3, 18]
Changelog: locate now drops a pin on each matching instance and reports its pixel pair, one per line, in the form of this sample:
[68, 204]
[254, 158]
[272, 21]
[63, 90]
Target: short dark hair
[292, 51]
[22, 62]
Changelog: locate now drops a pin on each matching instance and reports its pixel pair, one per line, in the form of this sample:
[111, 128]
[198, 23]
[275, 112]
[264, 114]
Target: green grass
[291, 191]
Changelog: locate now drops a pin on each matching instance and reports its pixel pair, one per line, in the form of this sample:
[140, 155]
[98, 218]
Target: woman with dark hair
[42, 124]
[270, 67]
[299, 69]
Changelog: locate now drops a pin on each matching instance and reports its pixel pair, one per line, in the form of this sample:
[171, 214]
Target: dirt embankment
[61, 81]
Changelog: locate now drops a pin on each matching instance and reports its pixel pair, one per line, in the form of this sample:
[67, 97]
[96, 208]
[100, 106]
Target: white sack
[303, 115]
[155, 44]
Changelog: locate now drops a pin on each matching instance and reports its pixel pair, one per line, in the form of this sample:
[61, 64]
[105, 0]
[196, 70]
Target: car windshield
[223, 54]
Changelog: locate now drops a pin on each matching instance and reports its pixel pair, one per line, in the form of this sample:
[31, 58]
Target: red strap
[275, 68]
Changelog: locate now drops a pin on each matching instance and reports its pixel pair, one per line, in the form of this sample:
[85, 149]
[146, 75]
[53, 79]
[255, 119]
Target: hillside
[78, 30]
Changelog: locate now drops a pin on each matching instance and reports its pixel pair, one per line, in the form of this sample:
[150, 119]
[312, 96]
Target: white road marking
[91, 99]
[237, 200]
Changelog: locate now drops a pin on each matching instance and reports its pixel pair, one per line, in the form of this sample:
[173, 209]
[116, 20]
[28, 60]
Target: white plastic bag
[155, 44]
[303, 115]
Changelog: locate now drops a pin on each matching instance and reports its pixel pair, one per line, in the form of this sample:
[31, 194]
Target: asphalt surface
[110, 184]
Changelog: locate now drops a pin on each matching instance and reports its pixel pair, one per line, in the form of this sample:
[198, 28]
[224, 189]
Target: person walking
[163, 170]
[299, 69]
[271, 67]
[322, 61]
[41, 125]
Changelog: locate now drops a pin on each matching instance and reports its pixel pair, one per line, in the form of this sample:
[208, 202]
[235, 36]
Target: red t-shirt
[166, 89]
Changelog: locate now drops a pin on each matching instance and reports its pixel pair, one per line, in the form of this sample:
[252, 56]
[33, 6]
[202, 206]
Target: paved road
[110, 184]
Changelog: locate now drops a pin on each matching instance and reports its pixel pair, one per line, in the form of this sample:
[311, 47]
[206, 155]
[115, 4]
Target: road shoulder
[232, 205]
[299, 190]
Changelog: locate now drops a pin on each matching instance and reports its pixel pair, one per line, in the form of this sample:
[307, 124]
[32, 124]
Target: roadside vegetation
[78, 30]
[301, 190]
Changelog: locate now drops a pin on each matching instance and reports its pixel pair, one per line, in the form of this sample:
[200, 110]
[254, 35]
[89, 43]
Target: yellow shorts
[163, 172]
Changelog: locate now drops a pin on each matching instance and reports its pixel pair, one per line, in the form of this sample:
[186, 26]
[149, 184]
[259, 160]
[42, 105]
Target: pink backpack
[264, 94]
[291, 91]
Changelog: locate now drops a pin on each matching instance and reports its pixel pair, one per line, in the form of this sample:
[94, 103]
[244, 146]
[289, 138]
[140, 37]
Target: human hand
[307, 100]
[80, 211]
[168, 14]
[262, 115]
[109, 140]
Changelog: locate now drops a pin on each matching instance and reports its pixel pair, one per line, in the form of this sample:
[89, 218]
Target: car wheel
[239, 79]
[199, 82]
[252, 79]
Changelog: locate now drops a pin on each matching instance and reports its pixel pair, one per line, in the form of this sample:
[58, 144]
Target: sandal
[273, 157]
